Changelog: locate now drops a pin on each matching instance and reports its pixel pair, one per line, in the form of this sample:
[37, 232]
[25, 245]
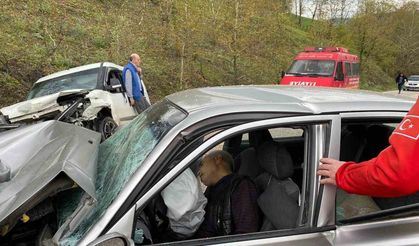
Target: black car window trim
[382, 214]
[367, 121]
[253, 236]
[101, 76]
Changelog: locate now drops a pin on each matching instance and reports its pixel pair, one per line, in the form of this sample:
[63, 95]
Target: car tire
[106, 127]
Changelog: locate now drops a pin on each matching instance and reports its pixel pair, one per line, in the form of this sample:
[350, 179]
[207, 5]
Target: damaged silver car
[90, 96]
[61, 187]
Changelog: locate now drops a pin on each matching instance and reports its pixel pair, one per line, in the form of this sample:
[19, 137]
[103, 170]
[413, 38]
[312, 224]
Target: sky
[351, 6]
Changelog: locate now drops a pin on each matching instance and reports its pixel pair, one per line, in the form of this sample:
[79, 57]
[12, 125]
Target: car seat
[232, 145]
[247, 157]
[377, 140]
[353, 142]
[247, 163]
[258, 137]
[279, 200]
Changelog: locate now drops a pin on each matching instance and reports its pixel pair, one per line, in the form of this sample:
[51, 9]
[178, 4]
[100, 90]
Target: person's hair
[227, 158]
[131, 57]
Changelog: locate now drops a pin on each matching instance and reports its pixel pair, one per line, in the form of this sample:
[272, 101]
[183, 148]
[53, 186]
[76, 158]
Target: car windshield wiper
[311, 74]
[318, 74]
[297, 74]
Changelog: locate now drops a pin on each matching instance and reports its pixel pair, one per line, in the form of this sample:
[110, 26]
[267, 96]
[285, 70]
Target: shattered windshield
[120, 156]
[81, 80]
[312, 67]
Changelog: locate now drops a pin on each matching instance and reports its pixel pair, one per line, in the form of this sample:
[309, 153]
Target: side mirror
[115, 239]
[282, 73]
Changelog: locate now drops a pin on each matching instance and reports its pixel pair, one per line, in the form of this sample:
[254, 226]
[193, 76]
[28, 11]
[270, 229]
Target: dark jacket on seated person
[231, 209]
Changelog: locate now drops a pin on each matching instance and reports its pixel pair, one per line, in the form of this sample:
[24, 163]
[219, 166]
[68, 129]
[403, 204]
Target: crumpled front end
[50, 164]
[78, 107]
[41, 108]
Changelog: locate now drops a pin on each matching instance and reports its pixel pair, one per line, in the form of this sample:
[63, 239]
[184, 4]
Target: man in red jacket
[394, 172]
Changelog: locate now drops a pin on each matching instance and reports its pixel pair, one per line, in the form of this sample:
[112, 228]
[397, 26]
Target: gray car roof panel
[306, 100]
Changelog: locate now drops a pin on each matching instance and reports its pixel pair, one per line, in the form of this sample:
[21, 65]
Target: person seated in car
[232, 199]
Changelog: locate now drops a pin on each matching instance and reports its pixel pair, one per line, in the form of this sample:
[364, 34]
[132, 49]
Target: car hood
[36, 105]
[37, 155]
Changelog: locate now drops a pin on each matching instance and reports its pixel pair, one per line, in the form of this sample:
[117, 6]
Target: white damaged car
[90, 96]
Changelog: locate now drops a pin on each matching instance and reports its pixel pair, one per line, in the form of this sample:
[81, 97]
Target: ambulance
[327, 66]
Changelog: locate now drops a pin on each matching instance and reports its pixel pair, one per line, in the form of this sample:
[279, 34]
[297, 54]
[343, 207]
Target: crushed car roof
[37, 154]
[276, 98]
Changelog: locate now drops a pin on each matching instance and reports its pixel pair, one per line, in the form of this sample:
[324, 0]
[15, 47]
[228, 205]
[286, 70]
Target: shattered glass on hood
[120, 156]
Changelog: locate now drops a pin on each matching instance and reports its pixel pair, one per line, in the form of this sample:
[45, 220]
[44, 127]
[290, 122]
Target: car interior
[272, 159]
[362, 141]
[114, 79]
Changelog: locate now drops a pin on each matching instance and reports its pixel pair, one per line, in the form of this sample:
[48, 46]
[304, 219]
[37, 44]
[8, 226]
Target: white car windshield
[81, 80]
[120, 156]
[312, 67]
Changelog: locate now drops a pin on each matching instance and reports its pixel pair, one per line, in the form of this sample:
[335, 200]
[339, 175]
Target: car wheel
[107, 127]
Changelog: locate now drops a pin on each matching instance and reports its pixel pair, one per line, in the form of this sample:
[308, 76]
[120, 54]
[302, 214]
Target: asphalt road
[410, 94]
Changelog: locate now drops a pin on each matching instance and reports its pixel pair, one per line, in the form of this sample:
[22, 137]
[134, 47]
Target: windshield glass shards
[119, 157]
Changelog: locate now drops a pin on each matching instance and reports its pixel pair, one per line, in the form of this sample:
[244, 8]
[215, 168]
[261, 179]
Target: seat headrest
[247, 163]
[256, 138]
[382, 132]
[275, 159]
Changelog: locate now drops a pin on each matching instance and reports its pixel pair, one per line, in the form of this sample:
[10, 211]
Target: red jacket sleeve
[395, 171]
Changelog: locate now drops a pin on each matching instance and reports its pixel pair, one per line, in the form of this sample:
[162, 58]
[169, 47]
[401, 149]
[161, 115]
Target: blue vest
[137, 90]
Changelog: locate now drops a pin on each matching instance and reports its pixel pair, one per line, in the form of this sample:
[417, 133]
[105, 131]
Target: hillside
[183, 44]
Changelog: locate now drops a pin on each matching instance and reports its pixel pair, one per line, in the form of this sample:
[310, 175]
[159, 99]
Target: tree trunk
[182, 66]
[315, 11]
[235, 48]
[300, 7]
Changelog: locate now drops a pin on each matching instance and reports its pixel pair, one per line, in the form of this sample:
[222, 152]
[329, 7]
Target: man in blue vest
[132, 80]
